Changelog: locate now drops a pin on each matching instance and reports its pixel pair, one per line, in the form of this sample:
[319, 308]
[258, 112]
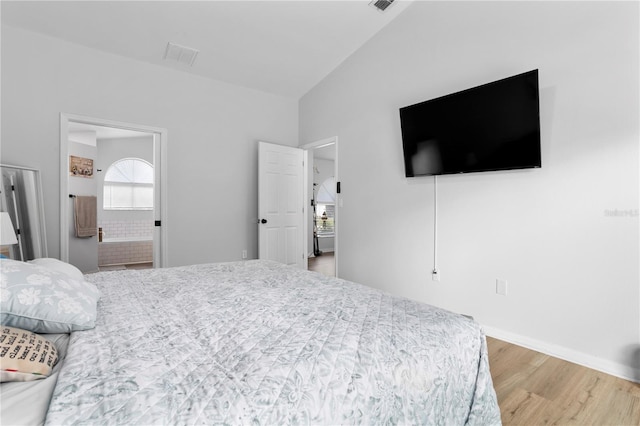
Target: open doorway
[126, 181]
[321, 234]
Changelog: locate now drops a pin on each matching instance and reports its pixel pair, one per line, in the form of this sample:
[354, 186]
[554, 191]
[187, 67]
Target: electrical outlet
[501, 287]
[244, 254]
[435, 275]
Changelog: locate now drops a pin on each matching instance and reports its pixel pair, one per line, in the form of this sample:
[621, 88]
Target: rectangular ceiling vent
[181, 54]
[381, 5]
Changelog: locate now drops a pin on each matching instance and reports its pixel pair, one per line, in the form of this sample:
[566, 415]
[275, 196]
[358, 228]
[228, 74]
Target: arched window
[327, 191]
[128, 185]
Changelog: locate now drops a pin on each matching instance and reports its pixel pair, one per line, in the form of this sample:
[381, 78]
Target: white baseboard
[615, 369]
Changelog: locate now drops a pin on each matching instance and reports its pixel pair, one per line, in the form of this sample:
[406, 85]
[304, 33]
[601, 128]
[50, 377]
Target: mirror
[21, 197]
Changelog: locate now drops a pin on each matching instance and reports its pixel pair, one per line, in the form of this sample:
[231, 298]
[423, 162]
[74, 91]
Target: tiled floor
[122, 267]
[325, 264]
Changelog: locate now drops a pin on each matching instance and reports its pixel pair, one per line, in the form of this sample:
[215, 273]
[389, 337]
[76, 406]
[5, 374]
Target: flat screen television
[495, 126]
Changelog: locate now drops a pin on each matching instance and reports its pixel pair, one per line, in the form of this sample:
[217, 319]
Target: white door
[280, 204]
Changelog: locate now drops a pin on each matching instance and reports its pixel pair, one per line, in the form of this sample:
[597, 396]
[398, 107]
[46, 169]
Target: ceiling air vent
[182, 54]
[381, 5]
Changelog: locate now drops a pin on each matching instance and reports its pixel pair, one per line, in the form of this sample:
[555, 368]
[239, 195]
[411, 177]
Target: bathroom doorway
[126, 181]
[321, 190]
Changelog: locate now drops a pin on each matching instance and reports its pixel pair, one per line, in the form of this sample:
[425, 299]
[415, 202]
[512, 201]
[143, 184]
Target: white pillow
[42, 300]
[59, 266]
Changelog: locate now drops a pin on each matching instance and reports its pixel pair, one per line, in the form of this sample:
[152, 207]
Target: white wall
[572, 267]
[213, 130]
[83, 252]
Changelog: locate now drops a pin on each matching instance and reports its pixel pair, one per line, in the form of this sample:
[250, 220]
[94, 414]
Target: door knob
[263, 221]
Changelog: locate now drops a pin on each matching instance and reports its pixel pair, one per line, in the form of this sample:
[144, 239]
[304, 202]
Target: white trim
[615, 369]
[309, 147]
[305, 204]
[320, 143]
[160, 247]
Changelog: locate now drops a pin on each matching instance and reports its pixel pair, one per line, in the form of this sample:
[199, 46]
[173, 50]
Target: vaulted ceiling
[281, 47]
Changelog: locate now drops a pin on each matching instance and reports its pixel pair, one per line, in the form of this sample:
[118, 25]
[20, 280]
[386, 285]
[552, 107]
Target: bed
[258, 342]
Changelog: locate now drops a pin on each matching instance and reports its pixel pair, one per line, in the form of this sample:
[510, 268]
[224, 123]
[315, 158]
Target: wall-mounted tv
[491, 127]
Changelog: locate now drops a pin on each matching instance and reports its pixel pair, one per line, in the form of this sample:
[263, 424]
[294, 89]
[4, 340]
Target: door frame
[308, 152]
[160, 254]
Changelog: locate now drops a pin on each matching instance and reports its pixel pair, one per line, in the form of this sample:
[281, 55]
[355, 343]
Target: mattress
[263, 343]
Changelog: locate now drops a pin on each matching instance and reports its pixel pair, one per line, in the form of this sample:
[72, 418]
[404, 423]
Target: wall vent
[184, 55]
[381, 5]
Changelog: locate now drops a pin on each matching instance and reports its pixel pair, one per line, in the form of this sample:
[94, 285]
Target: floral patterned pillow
[59, 266]
[43, 300]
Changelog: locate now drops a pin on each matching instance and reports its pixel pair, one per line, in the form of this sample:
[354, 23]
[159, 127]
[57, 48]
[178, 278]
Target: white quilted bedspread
[257, 342]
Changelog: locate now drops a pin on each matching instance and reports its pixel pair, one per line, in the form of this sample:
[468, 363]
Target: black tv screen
[495, 126]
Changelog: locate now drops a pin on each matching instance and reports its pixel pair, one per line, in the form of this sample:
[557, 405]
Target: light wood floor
[325, 264]
[537, 389]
